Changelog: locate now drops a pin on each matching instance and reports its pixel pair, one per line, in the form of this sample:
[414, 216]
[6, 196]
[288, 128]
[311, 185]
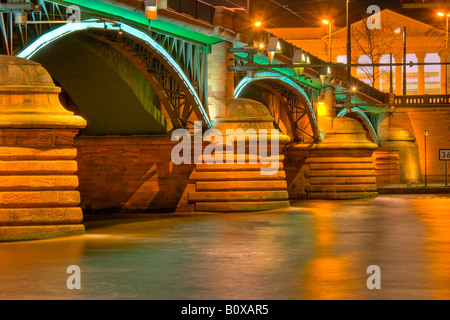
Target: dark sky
[303, 13]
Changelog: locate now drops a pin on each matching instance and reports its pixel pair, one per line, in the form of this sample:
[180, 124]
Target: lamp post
[404, 58]
[447, 15]
[250, 14]
[391, 87]
[254, 24]
[329, 23]
[349, 44]
[425, 135]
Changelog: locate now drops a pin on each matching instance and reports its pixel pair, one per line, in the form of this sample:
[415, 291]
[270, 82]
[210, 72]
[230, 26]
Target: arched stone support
[38, 197]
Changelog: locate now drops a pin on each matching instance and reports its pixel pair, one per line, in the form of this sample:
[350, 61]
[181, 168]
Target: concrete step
[24, 153]
[345, 166]
[387, 166]
[340, 160]
[341, 195]
[28, 233]
[340, 173]
[382, 172]
[42, 183]
[39, 199]
[246, 157]
[235, 167]
[343, 180]
[236, 176]
[240, 206]
[342, 188]
[241, 185]
[24, 216]
[38, 167]
[386, 162]
[236, 196]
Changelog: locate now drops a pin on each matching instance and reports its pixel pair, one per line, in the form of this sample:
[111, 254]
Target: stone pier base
[340, 167]
[38, 182]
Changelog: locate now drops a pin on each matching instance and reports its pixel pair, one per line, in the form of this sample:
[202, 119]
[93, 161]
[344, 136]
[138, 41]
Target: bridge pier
[397, 159]
[38, 197]
[339, 167]
[241, 185]
[220, 78]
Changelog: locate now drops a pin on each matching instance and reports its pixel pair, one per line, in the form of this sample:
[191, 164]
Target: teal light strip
[286, 80]
[344, 112]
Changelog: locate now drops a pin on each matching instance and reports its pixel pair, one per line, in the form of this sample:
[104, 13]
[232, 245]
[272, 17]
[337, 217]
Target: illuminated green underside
[138, 19]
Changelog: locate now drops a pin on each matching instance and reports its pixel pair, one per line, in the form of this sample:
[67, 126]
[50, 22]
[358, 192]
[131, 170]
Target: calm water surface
[313, 250]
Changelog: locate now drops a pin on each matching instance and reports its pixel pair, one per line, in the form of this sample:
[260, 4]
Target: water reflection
[434, 214]
[314, 250]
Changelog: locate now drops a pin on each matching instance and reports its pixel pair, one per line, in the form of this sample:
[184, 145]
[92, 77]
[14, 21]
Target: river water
[313, 250]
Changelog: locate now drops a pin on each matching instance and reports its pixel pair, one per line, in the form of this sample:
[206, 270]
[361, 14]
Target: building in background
[424, 43]
[433, 4]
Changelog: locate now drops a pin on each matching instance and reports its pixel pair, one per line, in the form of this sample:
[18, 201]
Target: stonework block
[38, 178]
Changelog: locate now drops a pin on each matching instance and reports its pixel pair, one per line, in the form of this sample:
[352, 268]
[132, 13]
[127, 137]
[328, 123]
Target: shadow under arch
[294, 102]
[172, 87]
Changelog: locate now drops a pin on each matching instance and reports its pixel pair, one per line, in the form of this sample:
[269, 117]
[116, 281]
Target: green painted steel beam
[117, 13]
[286, 71]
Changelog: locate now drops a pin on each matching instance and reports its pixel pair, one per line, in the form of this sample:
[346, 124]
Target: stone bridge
[89, 104]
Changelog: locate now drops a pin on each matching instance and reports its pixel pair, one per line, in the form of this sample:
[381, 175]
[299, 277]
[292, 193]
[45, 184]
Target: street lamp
[425, 133]
[349, 42]
[447, 15]
[404, 58]
[329, 24]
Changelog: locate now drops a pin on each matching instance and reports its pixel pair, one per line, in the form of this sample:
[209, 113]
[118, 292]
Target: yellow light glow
[322, 109]
[258, 24]
[325, 21]
[261, 45]
[441, 14]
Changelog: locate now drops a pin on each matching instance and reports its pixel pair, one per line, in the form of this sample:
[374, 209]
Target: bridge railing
[196, 9]
[338, 73]
[423, 99]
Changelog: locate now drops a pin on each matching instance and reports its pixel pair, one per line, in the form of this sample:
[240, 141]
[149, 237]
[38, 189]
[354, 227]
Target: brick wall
[131, 174]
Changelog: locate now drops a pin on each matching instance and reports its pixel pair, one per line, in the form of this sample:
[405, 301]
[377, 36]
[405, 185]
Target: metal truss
[302, 122]
[191, 57]
[172, 91]
[24, 21]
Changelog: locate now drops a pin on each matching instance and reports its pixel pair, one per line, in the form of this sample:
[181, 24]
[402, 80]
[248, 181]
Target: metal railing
[196, 9]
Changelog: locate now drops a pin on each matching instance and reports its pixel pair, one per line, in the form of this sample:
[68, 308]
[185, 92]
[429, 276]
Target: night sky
[308, 13]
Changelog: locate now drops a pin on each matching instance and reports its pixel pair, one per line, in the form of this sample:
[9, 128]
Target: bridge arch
[361, 116]
[296, 111]
[179, 100]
